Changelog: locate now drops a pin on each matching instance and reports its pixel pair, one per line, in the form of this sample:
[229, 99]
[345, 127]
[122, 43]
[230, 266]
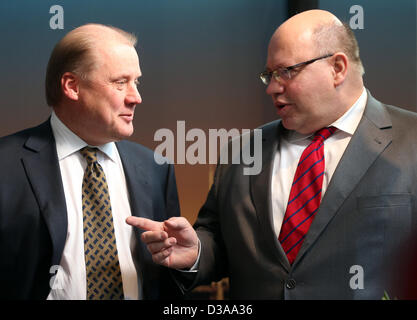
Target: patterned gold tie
[104, 280]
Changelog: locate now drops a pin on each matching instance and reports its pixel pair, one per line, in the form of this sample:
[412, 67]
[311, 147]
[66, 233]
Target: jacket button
[290, 284]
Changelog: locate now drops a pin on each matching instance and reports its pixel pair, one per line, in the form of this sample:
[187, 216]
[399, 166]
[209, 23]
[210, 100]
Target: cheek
[112, 106]
[116, 100]
[308, 90]
[106, 109]
[307, 100]
[300, 93]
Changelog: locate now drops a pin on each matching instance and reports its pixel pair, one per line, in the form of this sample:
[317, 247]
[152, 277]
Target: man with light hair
[69, 184]
[336, 194]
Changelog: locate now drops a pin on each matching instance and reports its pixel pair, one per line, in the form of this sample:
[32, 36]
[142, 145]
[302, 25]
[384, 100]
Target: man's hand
[172, 243]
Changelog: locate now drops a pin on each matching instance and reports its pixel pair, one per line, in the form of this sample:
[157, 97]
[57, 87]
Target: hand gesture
[173, 243]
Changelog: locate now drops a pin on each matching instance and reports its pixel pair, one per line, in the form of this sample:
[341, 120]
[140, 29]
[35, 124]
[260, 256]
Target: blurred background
[200, 61]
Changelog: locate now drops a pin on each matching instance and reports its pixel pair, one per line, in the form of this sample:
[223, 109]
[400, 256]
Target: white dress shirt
[292, 146]
[70, 280]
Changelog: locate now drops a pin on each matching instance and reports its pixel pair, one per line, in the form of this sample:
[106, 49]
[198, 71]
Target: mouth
[282, 106]
[128, 117]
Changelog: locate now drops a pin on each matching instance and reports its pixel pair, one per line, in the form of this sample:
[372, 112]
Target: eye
[120, 84]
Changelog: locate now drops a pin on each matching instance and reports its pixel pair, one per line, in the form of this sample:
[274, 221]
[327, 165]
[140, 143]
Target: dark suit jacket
[368, 208]
[33, 214]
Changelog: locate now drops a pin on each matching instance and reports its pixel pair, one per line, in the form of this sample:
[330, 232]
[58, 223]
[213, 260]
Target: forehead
[286, 49]
[117, 58]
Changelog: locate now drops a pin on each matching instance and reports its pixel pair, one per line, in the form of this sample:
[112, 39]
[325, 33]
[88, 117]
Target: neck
[75, 124]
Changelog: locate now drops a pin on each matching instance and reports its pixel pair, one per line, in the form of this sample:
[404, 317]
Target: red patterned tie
[305, 195]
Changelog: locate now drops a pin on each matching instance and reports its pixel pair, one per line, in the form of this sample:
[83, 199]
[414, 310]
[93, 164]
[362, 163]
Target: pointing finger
[145, 224]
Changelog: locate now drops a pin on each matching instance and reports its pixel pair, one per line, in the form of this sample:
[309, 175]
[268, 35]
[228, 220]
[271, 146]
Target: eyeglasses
[286, 73]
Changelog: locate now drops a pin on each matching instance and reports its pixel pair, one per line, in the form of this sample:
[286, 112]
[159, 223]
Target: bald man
[336, 194]
[68, 184]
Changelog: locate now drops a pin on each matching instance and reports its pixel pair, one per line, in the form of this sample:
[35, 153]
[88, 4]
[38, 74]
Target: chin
[125, 134]
[118, 136]
[289, 125]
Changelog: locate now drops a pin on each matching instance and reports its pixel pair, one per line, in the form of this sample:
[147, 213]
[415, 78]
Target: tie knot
[90, 154]
[324, 133]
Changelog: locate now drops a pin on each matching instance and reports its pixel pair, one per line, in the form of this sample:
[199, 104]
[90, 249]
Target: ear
[70, 85]
[340, 67]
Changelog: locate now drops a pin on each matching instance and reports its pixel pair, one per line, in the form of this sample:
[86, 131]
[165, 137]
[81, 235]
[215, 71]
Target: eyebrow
[124, 76]
[275, 68]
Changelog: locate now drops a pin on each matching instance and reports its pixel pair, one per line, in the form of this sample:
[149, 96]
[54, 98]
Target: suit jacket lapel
[42, 169]
[260, 187]
[371, 137]
[138, 183]
[140, 197]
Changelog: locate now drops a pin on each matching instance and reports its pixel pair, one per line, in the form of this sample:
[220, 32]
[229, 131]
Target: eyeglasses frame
[288, 70]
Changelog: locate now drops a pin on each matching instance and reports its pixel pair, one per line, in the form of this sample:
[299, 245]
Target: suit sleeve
[172, 202]
[213, 265]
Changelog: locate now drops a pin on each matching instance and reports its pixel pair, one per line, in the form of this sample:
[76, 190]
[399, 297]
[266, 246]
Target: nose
[274, 87]
[133, 95]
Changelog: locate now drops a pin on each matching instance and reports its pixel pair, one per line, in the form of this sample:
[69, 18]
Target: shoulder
[133, 148]
[147, 156]
[401, 127]
[17, 140]
[404, 130]
[265, 131]
[403, 122]
[403, 117]
[383, 115]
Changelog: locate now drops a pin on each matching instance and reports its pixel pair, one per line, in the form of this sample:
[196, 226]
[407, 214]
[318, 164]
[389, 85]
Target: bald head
[311, 18]
[324, 80]
[303, 24]
[98, 33]
[78, 52]
[320, 32]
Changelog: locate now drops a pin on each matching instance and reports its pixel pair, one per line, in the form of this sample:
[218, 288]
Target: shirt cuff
[195, 266]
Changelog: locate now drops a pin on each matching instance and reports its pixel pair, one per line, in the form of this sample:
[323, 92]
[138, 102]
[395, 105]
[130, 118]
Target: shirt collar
[67, 142]
[351, 118]
[347, 123]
